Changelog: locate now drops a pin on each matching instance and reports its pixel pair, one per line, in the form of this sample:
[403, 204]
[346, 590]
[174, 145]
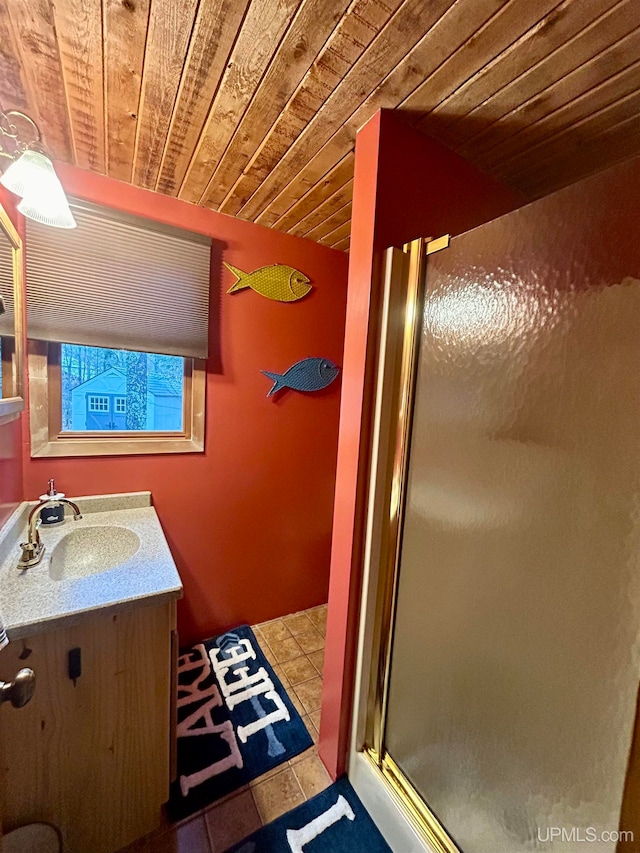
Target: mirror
[11, 321]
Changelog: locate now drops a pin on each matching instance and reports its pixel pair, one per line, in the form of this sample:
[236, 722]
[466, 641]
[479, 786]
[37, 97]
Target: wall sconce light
[31, 174]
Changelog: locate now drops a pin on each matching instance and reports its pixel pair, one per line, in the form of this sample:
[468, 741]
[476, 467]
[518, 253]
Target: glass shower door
[514, 664]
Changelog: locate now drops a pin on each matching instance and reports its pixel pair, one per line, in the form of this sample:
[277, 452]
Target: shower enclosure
[499, 655]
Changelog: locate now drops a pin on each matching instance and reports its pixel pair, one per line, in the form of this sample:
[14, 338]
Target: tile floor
[294, 645]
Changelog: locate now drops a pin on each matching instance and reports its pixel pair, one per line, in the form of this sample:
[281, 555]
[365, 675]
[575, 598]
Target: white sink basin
[91, 550]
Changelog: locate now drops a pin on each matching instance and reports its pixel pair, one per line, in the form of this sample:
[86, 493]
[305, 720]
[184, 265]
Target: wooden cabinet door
[9, 700]
[92, 757]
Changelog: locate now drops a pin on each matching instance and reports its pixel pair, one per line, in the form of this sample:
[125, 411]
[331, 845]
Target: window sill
[141, 446]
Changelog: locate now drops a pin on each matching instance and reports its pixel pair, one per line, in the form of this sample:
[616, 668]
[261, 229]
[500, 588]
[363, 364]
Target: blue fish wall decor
[310, 374]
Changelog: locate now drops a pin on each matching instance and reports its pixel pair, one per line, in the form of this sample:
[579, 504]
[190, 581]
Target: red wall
[249, 520]
[10, 455]
[406, 186]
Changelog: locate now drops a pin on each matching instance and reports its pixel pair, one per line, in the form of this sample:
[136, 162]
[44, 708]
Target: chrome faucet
[33, 548]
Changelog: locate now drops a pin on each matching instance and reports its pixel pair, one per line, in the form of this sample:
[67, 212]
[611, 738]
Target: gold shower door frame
[405, 291]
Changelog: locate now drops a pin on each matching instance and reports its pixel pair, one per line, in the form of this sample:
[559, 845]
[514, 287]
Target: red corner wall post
[345, 574]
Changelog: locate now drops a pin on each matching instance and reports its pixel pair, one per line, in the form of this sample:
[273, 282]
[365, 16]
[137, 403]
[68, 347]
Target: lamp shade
[49, 207]
[33, 178]
[28, 173]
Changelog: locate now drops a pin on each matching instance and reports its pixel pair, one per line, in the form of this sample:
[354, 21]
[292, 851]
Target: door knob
[20, 690]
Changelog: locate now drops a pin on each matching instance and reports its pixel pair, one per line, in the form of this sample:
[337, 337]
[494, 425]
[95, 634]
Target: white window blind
[118, 281]
[6, 285]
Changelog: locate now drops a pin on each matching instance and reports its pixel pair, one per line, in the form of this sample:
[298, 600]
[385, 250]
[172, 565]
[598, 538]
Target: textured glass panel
[515, 661]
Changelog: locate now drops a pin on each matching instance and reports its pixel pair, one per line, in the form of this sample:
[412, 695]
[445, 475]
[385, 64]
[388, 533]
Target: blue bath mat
[235, 720]
[332, 821]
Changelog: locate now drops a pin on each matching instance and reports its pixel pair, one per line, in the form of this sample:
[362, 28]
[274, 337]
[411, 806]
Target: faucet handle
[31, 554]
[28, 549]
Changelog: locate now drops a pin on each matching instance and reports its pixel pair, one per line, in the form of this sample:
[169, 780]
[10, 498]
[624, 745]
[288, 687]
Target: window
[94, 400]
[118, 322]
[108, 389]
[98, 404]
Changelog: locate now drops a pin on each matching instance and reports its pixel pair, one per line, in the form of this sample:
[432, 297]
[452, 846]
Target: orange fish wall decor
[277, 281]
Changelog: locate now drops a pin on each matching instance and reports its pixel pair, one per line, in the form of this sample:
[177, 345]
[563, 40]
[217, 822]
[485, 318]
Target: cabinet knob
[20, 690]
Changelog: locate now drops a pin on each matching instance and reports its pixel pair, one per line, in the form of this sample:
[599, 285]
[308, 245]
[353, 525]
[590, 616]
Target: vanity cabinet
[92, 756]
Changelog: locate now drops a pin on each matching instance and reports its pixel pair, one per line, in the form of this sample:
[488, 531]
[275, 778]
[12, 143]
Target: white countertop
[31, 601]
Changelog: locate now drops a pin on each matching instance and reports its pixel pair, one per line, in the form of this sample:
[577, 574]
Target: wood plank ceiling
[251, 107]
